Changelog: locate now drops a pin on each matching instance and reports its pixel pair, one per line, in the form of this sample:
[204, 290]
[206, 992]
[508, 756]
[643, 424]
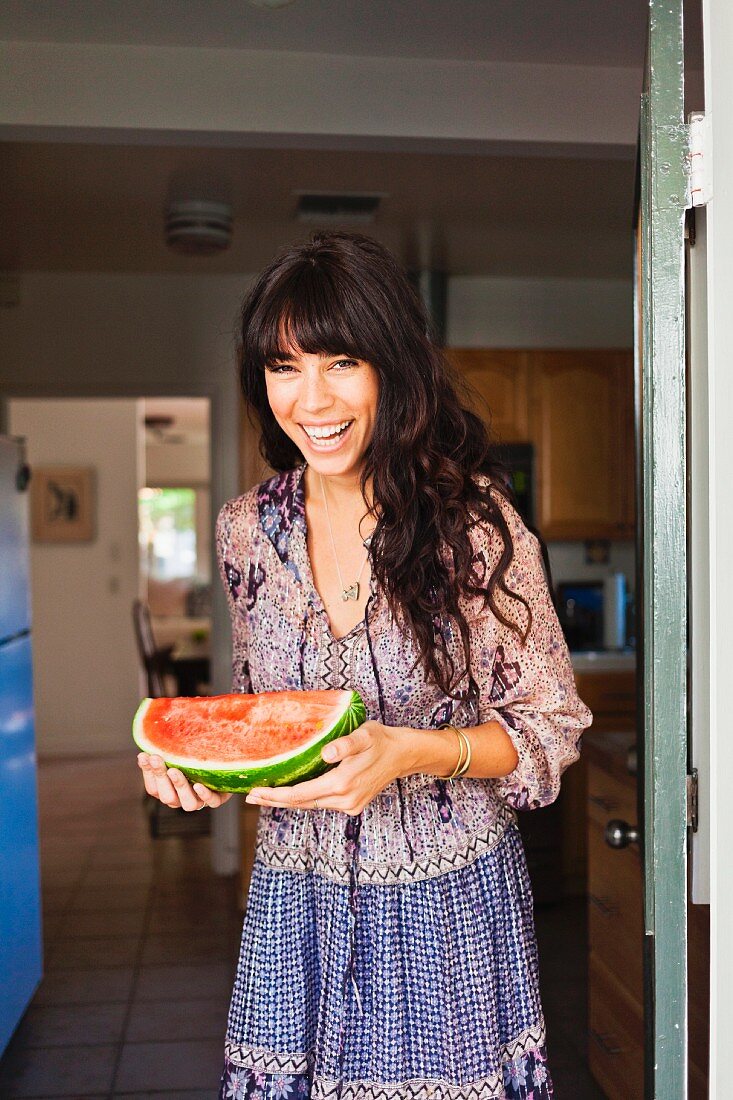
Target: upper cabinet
[576, 406]
[499, 385]
[581, 423]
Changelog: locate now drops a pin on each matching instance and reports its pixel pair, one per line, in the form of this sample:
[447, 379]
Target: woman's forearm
[435, 752]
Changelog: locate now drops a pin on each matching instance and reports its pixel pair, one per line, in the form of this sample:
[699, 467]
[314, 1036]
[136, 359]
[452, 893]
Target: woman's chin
[334, 465]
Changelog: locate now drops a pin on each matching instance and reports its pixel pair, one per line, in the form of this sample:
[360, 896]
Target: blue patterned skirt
[414, 991]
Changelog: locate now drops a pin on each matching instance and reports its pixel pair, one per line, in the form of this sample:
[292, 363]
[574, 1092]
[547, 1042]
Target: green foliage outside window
[167, 532]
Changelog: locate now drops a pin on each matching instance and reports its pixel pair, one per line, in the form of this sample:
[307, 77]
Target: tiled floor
[141, 942]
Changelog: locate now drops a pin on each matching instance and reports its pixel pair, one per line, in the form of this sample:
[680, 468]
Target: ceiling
[96, 207]
[90, 207]
[190, 418]
[588, 32]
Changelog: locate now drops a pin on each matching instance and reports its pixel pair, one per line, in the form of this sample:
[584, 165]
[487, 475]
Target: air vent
[325, 207]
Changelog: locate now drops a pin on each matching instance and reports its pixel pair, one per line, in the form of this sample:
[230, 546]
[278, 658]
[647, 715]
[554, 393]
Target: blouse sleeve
[232, 573]
[529, 689]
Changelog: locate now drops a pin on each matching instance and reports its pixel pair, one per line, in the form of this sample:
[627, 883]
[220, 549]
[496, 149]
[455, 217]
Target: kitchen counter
[604, 660]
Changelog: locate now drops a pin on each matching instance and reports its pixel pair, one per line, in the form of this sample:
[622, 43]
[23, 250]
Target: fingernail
[253, 799]
[329, 753]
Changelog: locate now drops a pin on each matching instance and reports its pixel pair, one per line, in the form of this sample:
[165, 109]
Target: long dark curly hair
[344, 293]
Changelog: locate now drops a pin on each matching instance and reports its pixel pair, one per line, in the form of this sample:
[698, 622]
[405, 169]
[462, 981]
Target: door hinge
[699, 159]
[692, 800]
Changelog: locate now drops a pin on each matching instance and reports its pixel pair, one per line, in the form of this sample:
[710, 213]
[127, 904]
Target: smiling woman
[388, 948]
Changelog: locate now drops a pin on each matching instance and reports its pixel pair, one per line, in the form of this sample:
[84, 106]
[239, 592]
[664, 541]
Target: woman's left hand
[368, 760]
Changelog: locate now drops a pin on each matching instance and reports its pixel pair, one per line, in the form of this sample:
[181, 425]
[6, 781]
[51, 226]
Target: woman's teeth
[328, 435]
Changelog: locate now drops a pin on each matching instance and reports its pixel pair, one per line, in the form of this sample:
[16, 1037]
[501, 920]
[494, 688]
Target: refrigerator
[20, 886]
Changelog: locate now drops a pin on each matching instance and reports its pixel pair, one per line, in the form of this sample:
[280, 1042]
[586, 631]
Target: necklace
[348, 591]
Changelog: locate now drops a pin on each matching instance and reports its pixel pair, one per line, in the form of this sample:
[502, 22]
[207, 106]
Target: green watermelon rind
[289, 768]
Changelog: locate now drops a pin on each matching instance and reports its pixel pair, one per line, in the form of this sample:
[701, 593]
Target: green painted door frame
[661, 405]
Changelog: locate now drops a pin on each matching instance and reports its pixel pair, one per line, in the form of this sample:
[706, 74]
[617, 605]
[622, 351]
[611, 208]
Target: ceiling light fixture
[198, 227]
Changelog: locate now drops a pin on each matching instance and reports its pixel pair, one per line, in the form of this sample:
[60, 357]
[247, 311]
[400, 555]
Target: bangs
[309, 312]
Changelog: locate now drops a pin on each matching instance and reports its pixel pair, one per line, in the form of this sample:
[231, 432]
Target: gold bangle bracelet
[461, 751]
[464, 757]
[467, 762]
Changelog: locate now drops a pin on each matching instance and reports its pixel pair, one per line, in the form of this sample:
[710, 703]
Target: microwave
[518, 460]
[595, 614]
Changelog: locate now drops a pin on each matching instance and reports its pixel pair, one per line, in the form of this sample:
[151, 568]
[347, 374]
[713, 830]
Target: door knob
[619, 834]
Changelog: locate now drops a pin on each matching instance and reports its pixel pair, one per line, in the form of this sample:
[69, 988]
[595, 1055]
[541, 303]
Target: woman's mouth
[327, 437]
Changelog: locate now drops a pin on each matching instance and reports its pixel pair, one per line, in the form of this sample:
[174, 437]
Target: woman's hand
[173, 789]
[368, 760]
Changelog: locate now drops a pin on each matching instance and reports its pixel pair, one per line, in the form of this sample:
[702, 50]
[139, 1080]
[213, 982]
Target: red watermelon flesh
[236, 742]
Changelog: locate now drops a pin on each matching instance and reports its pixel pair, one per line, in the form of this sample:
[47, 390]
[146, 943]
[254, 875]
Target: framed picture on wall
[62, 504]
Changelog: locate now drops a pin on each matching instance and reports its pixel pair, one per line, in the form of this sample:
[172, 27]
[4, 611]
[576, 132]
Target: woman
[388, 948]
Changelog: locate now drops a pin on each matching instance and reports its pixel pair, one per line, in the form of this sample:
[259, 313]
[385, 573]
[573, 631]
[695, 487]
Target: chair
[163, 820]
[156, 662]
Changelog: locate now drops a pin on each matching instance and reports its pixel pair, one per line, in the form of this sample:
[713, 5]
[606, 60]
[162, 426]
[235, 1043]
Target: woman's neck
[343, 490]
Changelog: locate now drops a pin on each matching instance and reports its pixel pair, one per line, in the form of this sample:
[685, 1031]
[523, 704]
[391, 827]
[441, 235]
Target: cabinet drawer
[615, 1035]
[610, 797]
[615, 919]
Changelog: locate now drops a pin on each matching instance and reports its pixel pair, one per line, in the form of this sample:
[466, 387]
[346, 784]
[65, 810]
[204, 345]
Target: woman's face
[327, 404]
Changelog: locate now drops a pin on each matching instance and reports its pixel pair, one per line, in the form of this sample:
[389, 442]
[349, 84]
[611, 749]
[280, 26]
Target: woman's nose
[315, 395]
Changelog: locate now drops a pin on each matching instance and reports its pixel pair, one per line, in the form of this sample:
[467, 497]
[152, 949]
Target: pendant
[351, 593]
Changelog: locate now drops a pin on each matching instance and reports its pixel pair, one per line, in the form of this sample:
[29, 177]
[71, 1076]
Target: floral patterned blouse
[282, 640]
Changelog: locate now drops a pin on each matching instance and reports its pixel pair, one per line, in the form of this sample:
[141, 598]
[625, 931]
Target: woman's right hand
[173, 788]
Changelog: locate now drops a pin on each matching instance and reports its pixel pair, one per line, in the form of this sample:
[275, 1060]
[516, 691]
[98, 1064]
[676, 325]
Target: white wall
[177, 463]
[540, 313]
[132, 88]
[173, 334]
[127, 334]
[568, 562]
[85, 663]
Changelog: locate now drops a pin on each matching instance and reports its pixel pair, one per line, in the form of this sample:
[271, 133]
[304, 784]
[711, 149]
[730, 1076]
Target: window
[167, 533]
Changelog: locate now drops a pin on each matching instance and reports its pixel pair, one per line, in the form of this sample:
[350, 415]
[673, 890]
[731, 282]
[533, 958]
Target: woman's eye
[346, 363]
[279, 368]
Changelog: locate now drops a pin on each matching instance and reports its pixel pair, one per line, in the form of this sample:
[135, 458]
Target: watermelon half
[237, 742]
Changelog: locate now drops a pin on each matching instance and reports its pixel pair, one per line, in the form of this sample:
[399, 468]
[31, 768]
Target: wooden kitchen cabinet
[615, 925]
[581, 422]
[498, 379]
[577, 408]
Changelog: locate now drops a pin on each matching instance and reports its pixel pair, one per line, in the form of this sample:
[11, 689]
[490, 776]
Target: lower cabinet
[615, 926]
[616, 934]
[611, 695]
